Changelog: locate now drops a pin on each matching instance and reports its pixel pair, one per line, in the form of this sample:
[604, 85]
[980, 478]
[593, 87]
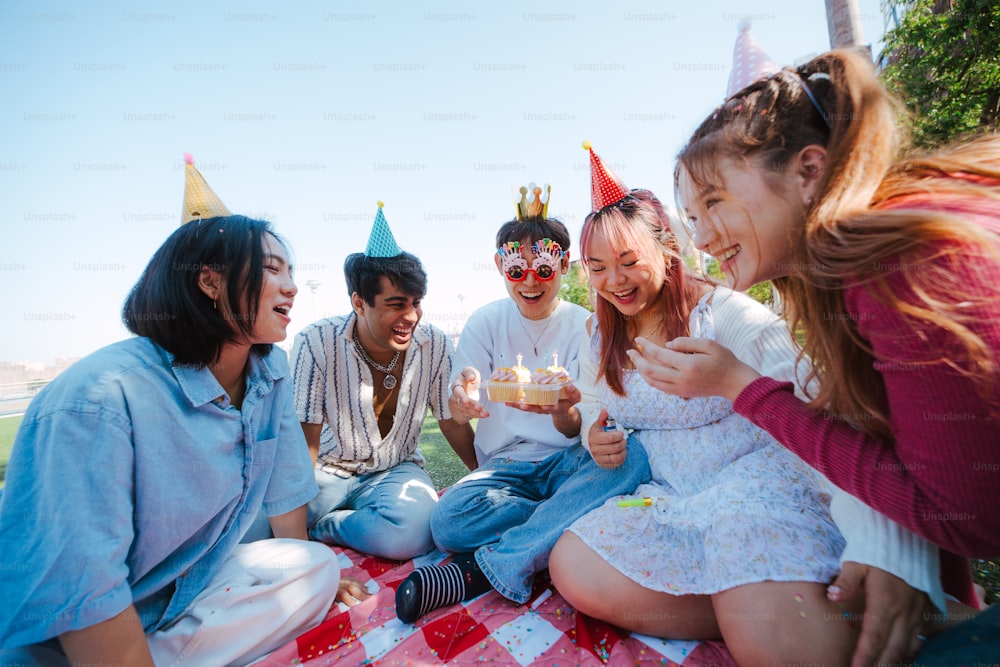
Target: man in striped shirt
[363, 385]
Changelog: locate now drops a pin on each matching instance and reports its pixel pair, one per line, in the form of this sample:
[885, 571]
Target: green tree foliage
[575, 287]
[943, 61]
[762, 292]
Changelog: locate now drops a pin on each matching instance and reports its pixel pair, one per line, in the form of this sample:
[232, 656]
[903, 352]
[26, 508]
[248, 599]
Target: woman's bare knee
[563, 567]
[772, 622]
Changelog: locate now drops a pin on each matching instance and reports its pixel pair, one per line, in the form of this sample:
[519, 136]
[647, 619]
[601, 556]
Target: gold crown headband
[533, 202]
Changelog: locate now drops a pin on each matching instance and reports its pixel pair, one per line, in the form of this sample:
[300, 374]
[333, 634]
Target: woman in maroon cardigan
[889, 272]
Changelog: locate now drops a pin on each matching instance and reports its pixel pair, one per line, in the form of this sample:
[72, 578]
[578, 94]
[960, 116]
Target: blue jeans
[385, 514]
[974, 642]
[510, 513]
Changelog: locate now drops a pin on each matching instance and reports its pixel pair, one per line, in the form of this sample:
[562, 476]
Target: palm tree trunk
[843, 19]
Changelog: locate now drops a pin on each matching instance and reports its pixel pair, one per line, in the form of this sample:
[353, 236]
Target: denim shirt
[131, 481]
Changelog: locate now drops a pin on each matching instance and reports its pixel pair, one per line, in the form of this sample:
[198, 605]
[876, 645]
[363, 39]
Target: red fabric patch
[376, 567]
[453, 633]
[595, 636]
[327, 636]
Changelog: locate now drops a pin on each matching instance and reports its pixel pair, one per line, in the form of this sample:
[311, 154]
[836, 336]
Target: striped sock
[432, 587]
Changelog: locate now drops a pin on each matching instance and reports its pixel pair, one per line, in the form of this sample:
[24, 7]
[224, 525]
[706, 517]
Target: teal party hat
[381, 242]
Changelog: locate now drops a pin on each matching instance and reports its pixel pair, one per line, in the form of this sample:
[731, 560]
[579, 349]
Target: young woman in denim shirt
[136, 473]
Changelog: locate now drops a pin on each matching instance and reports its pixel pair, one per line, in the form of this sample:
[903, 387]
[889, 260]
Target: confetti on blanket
[488, 630]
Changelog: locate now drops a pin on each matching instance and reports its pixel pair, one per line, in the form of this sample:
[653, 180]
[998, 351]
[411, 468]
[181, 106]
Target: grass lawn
[443, 464]
[444, 467]
[8, 429]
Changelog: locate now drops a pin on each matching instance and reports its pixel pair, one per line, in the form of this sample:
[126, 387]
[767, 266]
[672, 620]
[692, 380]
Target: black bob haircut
[534, 230]
[404, 271]
[167, 305]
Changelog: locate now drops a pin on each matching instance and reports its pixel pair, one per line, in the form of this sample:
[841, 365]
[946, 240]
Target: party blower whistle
[635, 502]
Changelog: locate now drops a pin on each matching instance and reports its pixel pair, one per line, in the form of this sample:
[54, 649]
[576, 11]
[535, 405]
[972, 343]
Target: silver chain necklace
[534, 340]
[389, 381]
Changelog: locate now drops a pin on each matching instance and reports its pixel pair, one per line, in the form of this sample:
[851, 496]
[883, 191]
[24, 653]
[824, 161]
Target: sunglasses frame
[525, 272]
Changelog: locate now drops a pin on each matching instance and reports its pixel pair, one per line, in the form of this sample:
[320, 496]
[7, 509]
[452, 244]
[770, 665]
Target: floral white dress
[730, 505]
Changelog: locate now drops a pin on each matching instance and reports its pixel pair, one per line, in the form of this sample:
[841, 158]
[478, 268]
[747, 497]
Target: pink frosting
[550, 377]
[517, 374]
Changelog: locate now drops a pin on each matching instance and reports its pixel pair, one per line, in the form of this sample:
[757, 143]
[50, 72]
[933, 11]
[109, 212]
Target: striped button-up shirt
[334, 387]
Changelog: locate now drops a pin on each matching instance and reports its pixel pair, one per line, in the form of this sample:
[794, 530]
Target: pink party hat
[605, 187]
[749, 61]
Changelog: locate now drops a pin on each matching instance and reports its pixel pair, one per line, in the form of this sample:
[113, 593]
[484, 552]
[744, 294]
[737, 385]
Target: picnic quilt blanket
[488, 630]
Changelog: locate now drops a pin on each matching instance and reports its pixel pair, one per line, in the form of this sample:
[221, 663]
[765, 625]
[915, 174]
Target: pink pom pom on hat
[605, 186]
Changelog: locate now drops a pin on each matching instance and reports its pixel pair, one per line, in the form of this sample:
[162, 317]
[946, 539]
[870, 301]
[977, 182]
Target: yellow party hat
[199, 199]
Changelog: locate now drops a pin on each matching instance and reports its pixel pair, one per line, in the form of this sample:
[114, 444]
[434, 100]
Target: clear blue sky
[309, 112]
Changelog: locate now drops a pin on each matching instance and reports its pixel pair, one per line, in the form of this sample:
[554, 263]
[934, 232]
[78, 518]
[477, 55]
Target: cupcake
[545, 385]
[505, 385]
[559, 370]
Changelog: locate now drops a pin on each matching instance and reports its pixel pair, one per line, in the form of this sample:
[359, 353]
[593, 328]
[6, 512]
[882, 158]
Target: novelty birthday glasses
[545, 266]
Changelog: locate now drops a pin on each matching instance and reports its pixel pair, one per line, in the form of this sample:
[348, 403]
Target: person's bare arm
[312, 431]
[120, 640]
[290, 524]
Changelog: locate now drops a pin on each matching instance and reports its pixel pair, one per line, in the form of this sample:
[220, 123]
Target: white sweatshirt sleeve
[590, 403]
